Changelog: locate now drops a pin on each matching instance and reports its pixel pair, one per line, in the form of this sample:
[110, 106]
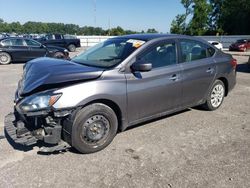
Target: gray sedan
[118, 83]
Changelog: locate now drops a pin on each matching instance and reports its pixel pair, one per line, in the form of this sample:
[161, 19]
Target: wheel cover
[217, 95]
[4, 58]
[95, 130]
[72, 47]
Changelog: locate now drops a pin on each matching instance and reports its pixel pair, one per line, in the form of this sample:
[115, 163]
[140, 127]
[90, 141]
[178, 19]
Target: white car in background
[216, 44]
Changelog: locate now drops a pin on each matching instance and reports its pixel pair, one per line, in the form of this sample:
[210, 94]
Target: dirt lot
[190, 149]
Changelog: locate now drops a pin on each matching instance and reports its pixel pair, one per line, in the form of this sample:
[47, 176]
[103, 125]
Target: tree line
[73, 29]
[210, 17]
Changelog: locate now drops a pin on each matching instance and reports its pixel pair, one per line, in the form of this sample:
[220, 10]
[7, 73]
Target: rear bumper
[232, 80]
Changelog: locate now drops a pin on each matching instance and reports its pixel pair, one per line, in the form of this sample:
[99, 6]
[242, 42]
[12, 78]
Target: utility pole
[94, 1]
[109, 27]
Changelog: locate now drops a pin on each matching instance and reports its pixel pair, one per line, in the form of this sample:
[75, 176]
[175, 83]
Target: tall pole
[94, 12]
[109, 27]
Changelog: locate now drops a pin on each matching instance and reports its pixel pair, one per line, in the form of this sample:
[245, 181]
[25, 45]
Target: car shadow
[157, 119]
[244, 68]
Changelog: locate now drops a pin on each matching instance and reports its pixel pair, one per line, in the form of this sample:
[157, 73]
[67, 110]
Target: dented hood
[46, 73]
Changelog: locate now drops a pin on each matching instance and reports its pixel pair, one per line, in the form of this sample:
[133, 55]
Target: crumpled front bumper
[24, 134]
[18, 132]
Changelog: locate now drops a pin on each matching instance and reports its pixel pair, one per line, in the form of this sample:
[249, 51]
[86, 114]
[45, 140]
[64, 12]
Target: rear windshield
[241, 41]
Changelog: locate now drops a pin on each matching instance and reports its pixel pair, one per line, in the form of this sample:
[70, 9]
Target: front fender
[113, 90]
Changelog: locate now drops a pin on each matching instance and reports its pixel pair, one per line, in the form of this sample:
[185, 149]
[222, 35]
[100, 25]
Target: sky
[135, 15]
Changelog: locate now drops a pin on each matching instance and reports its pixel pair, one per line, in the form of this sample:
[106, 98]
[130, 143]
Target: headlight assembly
[39, 102]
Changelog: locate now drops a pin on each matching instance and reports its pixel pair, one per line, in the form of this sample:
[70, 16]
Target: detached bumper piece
[18, 132]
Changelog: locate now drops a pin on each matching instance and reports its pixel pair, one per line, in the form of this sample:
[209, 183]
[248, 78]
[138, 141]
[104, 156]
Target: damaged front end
[34, 121]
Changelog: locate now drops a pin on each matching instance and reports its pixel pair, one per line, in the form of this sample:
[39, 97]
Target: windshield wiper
[110, 59]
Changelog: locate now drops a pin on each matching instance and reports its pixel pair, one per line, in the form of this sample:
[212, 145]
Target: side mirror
[141, 66]
[42, 46]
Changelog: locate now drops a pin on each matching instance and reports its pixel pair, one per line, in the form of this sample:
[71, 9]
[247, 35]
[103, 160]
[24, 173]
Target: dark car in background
[70, 43]
[240, 45]
[119, 83]
[17, 49]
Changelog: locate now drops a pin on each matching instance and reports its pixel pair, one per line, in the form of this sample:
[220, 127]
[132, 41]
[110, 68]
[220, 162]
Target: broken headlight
[38, 102]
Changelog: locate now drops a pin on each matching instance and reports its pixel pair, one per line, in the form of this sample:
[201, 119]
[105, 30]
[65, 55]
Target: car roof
[148, 37]
[13, 38]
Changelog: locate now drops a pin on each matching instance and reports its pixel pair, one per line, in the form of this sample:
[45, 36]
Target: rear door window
[194, 50]
[32, 43]
[18, 42]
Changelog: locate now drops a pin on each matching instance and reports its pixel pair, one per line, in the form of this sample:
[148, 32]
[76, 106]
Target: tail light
[234, 63]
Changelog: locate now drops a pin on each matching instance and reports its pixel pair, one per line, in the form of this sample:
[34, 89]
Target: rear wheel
[94, 128]
[5, 58]
[215, 97]
[72, 48]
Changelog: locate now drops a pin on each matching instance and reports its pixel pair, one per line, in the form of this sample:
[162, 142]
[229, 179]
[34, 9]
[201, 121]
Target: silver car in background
[118, 83]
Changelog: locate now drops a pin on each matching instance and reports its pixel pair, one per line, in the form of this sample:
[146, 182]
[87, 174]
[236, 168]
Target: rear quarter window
[6, 42]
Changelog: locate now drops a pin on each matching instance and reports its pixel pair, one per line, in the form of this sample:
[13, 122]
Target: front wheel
[94, 128]
[4, 58]
[215, 96]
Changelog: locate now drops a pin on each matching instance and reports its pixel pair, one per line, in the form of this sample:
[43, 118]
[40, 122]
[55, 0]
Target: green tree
[39, 27]
[235, 17]
[16, 27]
[214, 26]
[199, 22]
[152, 30]
[117, 31]
[178, 25]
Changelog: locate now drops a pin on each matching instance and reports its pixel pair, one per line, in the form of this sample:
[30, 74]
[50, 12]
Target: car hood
[46, 73]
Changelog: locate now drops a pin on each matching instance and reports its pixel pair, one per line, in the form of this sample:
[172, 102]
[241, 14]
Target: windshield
[109, 53]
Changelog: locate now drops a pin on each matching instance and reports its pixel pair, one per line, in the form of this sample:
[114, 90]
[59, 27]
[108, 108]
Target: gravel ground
[193, 148]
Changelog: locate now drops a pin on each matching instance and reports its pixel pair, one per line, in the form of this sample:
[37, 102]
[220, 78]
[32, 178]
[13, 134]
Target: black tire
[59, 55]
[94, 128]
[214, 96]
[5, 58]
[72, 48]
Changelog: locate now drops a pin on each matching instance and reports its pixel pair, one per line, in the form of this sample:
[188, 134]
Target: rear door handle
[174, 77]
[210, 70]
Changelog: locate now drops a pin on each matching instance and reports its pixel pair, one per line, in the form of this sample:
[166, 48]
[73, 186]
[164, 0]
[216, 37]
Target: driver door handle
[174, 77]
